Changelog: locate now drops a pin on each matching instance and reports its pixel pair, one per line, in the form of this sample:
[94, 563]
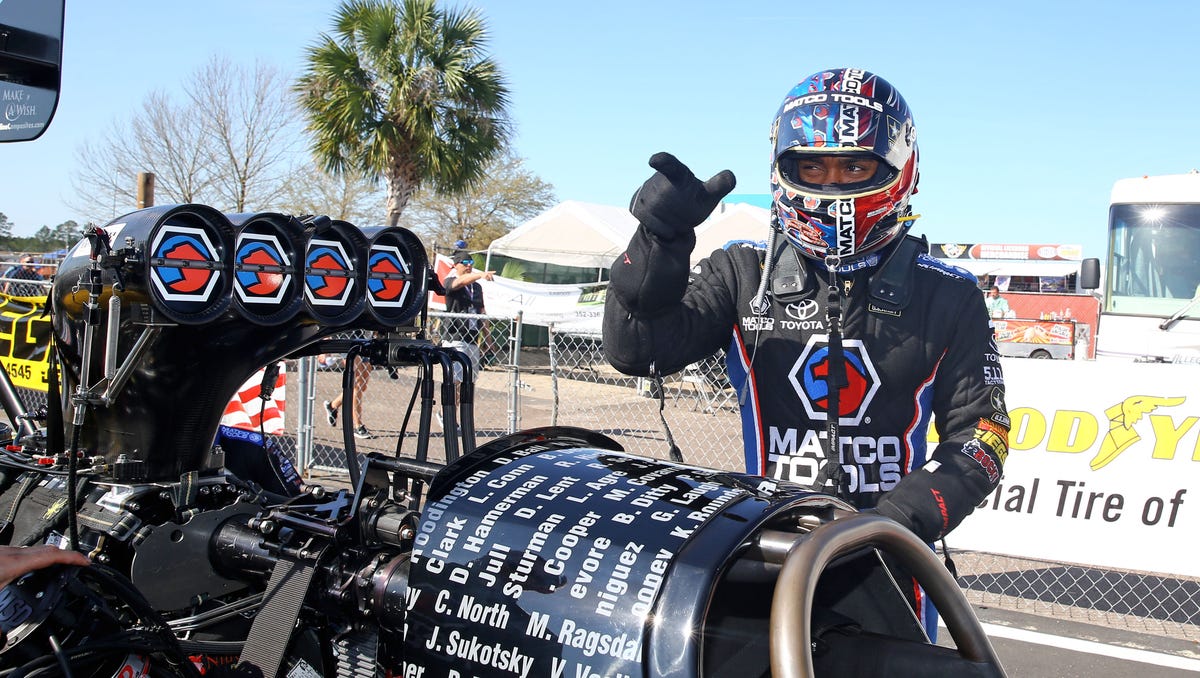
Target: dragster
[547, 552]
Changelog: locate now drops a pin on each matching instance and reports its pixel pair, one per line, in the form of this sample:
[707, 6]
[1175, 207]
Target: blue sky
[1026, 112]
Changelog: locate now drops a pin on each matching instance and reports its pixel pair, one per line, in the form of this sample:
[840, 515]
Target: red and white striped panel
[245, 410]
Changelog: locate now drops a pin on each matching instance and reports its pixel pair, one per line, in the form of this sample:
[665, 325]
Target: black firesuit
[917, 345]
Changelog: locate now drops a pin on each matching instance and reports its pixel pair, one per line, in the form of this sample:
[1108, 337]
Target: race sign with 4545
[24, 342]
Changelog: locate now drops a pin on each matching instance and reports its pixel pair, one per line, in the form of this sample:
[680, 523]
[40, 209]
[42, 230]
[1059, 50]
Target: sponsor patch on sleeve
[973, 449]
[994, 436]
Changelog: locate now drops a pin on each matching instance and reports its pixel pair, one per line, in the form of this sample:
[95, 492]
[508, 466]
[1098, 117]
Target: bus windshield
[1155, 265]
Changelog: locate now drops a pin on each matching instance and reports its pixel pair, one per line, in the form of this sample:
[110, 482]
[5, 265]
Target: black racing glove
[932, 500]
[673, 201]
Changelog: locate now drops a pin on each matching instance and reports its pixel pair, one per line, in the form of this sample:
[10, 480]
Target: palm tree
[405, 92]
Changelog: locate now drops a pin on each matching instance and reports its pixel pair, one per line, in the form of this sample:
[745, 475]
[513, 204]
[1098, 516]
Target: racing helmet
[856, 113]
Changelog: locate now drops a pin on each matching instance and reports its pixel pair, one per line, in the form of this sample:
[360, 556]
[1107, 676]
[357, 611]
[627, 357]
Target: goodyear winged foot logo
[1121, 419]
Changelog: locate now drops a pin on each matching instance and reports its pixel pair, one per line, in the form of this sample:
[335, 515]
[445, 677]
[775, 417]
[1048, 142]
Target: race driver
[841, 311]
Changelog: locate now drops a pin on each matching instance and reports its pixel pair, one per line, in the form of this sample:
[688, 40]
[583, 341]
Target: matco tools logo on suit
[810, 378]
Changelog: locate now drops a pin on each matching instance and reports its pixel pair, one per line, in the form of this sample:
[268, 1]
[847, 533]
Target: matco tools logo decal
[843, 214]
[387, 277]
[185, 265]
[329, 273]
[261, 269]
[810, 377]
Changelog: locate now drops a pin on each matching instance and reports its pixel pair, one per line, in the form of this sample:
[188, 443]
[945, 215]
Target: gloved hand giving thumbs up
[673, 201]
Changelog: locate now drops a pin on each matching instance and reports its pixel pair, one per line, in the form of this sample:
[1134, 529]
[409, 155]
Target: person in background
[844, 338]
[464, 295]
[362, 376]
[997, 306]
[25, 269]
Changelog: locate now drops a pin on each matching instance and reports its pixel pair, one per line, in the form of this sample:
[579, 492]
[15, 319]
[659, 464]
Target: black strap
[673, 451]
[56, 440]
[831, 471]
[950, 566]
[17, 492]
[186, 492]
[97, 518]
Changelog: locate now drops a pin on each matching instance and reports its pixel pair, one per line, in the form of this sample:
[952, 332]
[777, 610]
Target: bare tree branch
[508, 195]
[231, 143]
[252, 127]
[349, 197]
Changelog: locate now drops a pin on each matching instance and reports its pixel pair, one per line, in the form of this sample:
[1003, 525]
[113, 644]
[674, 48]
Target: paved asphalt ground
[1031, 645]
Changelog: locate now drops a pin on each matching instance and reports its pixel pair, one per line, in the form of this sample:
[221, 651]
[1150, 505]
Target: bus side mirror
[31, 35]
[1089, 274]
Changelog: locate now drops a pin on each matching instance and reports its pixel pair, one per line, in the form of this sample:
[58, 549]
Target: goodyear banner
[1103, 467]
[24, 337]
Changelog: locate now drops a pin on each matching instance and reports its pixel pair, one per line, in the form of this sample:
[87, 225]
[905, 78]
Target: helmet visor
[842, 175]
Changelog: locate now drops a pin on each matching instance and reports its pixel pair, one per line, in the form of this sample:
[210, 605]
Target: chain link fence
[388, 400]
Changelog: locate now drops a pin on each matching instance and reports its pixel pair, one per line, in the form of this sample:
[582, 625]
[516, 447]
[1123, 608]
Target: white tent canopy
[571, 233]
[738, 221]
[588, 235]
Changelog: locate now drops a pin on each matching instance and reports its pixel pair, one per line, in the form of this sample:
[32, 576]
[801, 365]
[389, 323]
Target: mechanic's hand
[673, 201]
[16, 561]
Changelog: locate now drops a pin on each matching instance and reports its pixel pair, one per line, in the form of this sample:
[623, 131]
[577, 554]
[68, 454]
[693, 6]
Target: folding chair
[702, 389]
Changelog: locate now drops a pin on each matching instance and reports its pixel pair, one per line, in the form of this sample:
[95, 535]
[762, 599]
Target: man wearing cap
[464, 294]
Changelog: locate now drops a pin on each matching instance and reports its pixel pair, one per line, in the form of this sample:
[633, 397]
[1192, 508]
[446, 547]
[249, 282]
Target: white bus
[1151, 309]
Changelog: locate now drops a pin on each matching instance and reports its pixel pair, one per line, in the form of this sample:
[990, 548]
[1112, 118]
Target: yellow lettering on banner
[24, 337]
[1167, 436]
[1080, 431]
[1072, 431]
[1028, 428]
